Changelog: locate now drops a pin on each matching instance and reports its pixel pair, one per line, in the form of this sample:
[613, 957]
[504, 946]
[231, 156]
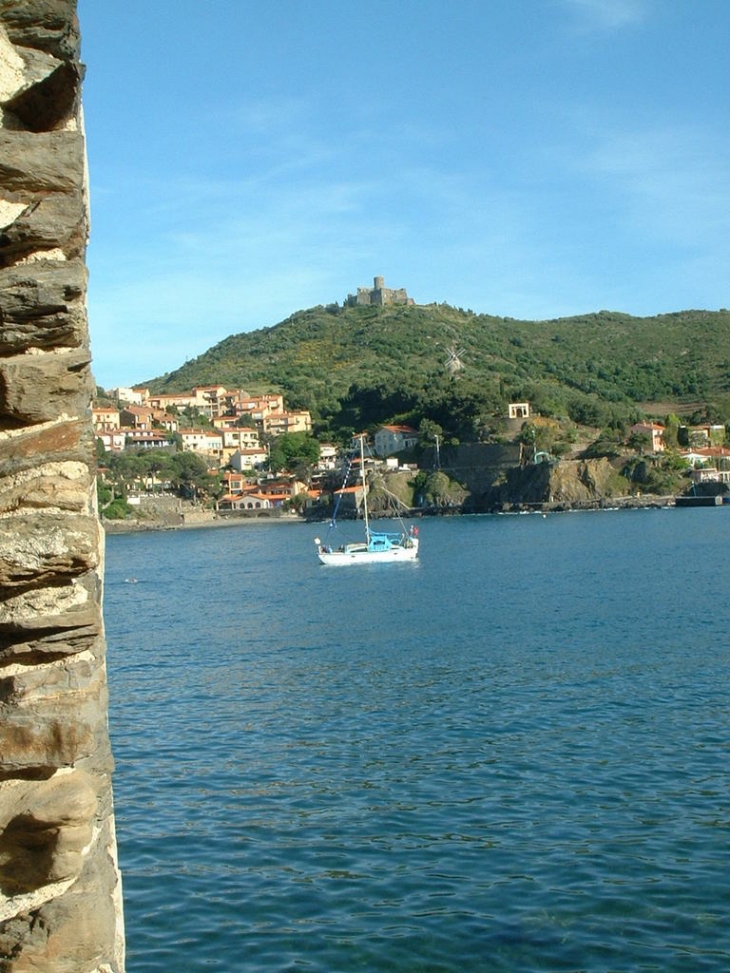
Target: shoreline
[146, 526]
[215, 520]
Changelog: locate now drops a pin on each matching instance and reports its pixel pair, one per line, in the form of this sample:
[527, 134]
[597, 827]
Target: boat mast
[364, 488]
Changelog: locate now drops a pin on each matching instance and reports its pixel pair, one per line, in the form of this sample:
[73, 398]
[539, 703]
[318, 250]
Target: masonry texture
[60, 895]
[379, 295]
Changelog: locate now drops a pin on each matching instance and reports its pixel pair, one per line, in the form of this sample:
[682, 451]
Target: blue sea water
[512, 755]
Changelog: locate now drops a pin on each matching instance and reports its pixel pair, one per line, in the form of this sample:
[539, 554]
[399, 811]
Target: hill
[355, 366]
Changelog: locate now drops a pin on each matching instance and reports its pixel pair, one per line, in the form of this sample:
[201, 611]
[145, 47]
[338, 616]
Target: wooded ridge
[355, 366]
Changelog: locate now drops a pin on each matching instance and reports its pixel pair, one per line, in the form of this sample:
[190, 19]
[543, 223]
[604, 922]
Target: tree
[299, 502]
[539, 437]
[189, 475]
[671, 430]
[640, 441]
[430, 431]
[117, 510]
[293, 449]
[104, 493]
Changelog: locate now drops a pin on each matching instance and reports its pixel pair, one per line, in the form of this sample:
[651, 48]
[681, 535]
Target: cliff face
[567, 484]
[494, 478]
[59, 885]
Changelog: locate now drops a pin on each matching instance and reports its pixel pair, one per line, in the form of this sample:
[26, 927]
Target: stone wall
[60, 898]
[379, 295]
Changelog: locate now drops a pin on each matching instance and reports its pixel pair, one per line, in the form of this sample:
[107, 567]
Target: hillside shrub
[117, 510]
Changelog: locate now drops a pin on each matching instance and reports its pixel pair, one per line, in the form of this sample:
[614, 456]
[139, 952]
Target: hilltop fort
[379, 295]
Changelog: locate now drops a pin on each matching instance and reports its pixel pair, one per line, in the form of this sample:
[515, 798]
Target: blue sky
[525, 158]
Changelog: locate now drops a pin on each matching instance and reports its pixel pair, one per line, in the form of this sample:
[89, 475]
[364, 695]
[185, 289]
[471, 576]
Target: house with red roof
[653, 430]
[393, 439]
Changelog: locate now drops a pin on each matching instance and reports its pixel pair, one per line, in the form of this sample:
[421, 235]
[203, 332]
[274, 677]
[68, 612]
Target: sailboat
[378, 547]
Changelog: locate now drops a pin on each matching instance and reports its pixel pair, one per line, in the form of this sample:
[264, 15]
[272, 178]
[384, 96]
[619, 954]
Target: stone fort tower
[379, 295]
[60, 894]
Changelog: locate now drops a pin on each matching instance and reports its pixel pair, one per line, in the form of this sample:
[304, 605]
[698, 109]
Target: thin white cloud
[673, 181]
[608, 15]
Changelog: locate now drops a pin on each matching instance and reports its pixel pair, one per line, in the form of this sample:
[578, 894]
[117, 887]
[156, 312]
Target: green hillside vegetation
[355, 367]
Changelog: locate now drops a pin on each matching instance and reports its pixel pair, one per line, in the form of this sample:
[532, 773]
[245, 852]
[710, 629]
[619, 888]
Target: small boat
[378, 547]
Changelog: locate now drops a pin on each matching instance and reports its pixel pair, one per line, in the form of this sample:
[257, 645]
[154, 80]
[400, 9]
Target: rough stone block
[73, 933]
[43, 162]
[51, 99]
[44, 827]
[44, 547]
[42, 305]
[48, 25]
[65, 486]
[46, 222]
[60, 897]
[42, 387]
[60, 619]
[17, 644]
[60, 725]
[68, 440]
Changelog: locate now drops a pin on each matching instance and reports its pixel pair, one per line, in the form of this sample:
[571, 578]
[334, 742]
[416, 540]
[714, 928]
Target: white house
[327, 456]
[201, 441]
[244, 501]
[393, 439]
[146, 439]
[243, 437]
[113, 440]
[130, 396]
[248, 458]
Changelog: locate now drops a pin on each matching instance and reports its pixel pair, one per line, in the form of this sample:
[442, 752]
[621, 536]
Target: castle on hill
[379, 295]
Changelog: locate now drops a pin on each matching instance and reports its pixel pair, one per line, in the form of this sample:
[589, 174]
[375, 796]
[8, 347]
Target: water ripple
[511, 759]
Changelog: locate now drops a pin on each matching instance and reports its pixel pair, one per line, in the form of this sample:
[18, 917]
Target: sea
[512, 755]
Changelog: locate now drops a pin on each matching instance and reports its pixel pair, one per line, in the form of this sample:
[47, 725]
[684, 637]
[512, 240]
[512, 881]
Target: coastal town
[234, 436]
[232, 432]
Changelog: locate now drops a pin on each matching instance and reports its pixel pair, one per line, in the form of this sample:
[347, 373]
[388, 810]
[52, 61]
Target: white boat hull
[359, 554]
[377, 546]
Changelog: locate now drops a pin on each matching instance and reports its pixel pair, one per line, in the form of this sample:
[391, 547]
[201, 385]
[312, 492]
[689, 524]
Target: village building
[709, 464]
[175, 400]
[202, 441]
[279, 490]
[167, 421]
[233, 481]
[113, 440]
[238, 501]
[278, 423]
[105, 418]
[328, 457]
[350, 499]
[248, 459]
[653, 430]
[257, 407]
[695, 437]
[136, 417]
[393, 439]
[209, 400]
[241, 437]
[146, 439]
[128, 396]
